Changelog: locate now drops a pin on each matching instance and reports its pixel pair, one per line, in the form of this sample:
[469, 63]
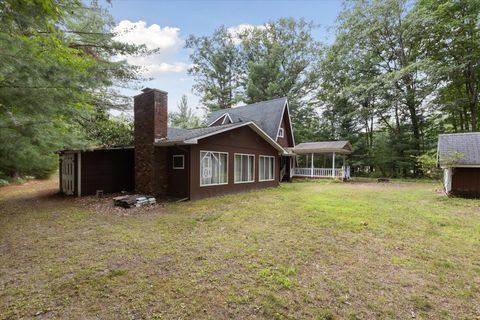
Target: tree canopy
[398, 73]
[56, 70]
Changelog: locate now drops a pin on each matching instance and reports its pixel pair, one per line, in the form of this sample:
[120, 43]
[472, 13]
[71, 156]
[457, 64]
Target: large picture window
[213, 168]
[244, 168]
[266, 168]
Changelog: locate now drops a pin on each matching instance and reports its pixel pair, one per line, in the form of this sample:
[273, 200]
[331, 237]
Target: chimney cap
[145, 90]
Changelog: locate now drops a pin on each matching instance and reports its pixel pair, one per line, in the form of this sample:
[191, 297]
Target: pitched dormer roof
[266, 114]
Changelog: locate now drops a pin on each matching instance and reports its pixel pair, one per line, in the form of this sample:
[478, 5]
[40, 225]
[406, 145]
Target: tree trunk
[472, 95]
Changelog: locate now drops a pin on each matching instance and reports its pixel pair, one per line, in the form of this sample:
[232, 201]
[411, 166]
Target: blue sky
[166, 24]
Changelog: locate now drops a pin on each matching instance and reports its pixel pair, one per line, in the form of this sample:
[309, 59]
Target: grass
[317, 250]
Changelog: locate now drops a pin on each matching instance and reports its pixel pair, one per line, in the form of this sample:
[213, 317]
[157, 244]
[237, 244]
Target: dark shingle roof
[180, 135]
[459, 149]
[190, 136]
[265, 114]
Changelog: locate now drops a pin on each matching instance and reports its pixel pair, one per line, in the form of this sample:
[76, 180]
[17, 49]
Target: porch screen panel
[244, 168]
[213, 168]
[267, 168]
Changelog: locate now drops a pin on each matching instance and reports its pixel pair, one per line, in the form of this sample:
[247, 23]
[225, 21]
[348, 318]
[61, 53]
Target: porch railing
[340, 173]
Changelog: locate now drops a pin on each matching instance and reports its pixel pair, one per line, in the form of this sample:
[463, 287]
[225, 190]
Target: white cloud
[167, 40]
[235, 31]
[167, 68]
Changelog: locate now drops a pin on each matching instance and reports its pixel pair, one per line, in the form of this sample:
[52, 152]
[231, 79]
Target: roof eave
[166, 143]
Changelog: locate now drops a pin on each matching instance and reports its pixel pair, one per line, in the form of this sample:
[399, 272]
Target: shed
[83, 172]
[458, 154]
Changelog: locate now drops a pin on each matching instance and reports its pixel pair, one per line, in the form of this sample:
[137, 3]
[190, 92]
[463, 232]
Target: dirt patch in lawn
[104, 205]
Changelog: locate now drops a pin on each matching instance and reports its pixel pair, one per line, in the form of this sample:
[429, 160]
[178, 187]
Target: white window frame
[281, 132]
[178, 156]
[200, 169]
[273, 168]
[235, 169]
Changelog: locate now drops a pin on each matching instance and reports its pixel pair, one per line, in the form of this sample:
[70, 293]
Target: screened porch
[327, 159]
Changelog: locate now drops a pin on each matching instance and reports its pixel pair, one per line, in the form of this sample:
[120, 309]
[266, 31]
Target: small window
[178, 161]
[244, 168]
[266, 168]
[213, 168]
[280, 132]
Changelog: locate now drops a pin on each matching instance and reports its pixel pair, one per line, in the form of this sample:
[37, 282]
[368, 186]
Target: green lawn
[316, 250]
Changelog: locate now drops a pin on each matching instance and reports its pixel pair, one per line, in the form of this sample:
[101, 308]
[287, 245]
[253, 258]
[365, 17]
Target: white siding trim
[227, 116]
[447, 180]
[223, 115]
[462, 166]
[289, 120]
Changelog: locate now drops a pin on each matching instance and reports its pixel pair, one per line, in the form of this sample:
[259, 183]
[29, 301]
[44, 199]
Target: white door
[68, 173]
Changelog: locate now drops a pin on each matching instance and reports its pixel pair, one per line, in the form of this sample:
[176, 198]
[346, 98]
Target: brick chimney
[150, 123]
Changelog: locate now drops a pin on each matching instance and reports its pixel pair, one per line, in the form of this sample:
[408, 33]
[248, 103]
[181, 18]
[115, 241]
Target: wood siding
[466, 182]
[108, 170]
[286, 141]
[241, 140]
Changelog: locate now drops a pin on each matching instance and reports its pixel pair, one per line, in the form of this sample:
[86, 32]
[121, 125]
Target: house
[458, 154]
[242, 148]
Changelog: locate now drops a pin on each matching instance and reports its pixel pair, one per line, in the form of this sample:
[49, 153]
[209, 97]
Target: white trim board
[229, 118]
[223, 115]
[289, 121]
[462, 166]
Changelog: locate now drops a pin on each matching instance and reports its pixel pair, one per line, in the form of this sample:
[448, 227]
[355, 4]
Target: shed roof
[266, 114]
[342, 147]
[459, 149]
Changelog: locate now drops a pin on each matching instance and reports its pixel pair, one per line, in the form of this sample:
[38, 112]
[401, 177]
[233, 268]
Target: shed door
[68, 173]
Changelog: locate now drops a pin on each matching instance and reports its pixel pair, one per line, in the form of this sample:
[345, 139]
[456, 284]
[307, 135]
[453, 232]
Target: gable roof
[343, 147]
[266, 114]
[178, 136]
[459, 149]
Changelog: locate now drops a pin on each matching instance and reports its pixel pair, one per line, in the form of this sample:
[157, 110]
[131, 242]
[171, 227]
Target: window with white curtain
[244, 168]
[266, 168]
[213, 168]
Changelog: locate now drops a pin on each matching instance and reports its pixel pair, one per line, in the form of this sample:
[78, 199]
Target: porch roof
[341, 147]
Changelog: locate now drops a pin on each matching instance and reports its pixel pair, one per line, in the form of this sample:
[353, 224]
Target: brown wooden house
[243, 149]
